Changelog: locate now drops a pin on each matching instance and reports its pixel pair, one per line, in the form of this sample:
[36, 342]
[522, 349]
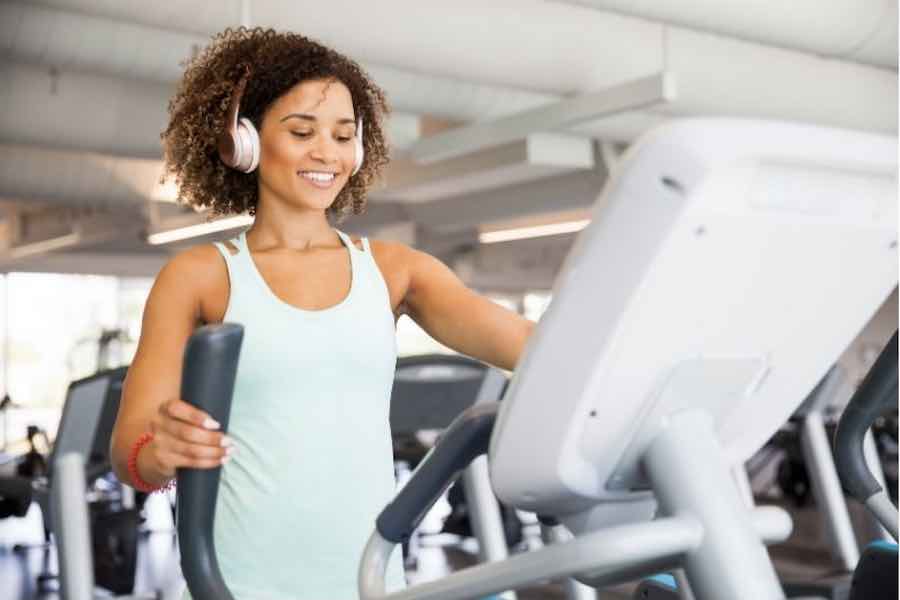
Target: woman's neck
[290, 228]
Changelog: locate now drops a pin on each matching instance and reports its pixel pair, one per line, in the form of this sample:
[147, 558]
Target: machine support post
[685, 462]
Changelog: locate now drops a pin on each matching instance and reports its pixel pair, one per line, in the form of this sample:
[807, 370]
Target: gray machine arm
[210, 367]
[466, 439]
[876, 395]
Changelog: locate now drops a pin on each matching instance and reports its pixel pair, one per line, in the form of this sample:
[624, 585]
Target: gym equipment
[682, 321]
[824, 485]
[813, 457]
[812, 419]
[73, 535]
[875, 577]
[876, 394]
[207, 381]
[708, 248]
[428, 392]
[659, 587]
[85, 427]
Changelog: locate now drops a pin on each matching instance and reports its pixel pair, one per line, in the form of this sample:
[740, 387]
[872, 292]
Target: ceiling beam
[534, 157]
[634, 95]
[551, 195]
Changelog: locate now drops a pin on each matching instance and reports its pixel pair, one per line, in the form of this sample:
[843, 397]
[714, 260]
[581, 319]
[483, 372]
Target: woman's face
[306, 141]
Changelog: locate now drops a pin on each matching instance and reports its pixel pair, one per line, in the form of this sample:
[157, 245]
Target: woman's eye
[301, 134]
[344, 139]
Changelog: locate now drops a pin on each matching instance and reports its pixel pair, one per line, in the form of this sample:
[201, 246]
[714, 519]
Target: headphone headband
[234, 151]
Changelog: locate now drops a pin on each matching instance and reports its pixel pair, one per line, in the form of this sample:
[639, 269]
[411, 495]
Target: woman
[308, 432]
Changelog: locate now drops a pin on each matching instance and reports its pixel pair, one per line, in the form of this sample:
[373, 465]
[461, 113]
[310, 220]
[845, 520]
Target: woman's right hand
[185, 436]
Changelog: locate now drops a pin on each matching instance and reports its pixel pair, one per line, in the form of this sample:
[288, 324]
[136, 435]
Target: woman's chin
[315, 201]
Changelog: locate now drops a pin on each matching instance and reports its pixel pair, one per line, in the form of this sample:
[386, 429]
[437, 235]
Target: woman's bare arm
[458, 317]
[173, 310]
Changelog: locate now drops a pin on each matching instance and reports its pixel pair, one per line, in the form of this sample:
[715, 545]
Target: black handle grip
[875, 395]
[207, 382]
[466, 439]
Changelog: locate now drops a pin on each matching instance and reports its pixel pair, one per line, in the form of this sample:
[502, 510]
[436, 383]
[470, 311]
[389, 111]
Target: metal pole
[484, 513]
[484, 508]
[827, 490]
[574, 590]
[691, 478]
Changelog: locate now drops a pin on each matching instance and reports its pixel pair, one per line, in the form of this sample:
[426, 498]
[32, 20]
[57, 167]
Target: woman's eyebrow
[306, 117]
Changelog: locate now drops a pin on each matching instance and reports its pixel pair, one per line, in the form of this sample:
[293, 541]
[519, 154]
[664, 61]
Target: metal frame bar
[604, 557]
[690, 477]
[607, 555]
[827, 490]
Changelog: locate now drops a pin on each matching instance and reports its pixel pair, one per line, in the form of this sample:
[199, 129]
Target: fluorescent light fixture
[43, 246]
[192, 231]
[520, 233]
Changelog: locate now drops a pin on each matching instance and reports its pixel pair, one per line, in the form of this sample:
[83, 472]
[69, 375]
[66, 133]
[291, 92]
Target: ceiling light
[43, 246]
[520, 233]
[192, 231]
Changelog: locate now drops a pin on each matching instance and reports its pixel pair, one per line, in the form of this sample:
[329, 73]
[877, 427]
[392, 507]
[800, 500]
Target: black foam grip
[463, 441]
[876, 395]
[207, 382]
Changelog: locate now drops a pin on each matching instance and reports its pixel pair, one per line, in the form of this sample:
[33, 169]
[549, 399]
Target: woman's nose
[325, 150]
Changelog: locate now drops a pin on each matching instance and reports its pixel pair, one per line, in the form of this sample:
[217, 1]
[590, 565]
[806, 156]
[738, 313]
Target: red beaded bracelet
[138, 483]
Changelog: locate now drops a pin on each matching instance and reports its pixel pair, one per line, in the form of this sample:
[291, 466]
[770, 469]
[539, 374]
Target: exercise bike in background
[85, 427]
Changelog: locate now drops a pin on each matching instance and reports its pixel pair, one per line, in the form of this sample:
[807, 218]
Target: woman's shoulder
[198, 272]
[390, 254]
[197, 261]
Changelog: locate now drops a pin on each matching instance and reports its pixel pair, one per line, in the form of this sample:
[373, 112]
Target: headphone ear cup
[249, 145]
[230, 148]
[358, 145]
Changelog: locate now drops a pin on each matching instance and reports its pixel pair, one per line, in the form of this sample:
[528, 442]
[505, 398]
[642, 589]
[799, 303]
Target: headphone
[239, 144]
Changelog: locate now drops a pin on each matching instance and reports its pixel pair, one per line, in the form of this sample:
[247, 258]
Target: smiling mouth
[320, 179]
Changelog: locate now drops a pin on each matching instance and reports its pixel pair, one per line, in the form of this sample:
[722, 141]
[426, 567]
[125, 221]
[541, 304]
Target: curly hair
[276, 63]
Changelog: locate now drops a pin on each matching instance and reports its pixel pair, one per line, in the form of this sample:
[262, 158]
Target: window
[50, 331]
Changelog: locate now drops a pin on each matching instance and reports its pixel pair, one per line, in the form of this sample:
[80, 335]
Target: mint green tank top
[314, 462]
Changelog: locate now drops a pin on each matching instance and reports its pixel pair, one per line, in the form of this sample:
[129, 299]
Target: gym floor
[804, 556]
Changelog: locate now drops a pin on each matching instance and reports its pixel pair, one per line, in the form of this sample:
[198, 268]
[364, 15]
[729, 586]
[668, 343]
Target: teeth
[318, 176]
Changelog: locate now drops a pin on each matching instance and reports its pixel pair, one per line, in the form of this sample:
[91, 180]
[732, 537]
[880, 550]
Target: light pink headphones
[239, 143]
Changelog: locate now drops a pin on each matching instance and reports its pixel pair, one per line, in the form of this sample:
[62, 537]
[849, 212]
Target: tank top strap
[238, 245]
[220, 246]
[224, 250]
[347, 240]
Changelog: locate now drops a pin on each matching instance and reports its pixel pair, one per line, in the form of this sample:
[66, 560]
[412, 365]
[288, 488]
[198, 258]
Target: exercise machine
[727, 266]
